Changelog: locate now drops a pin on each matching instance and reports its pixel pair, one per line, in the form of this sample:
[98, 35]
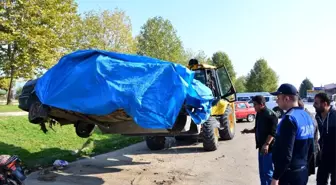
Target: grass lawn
[36, 149]
[9, 108]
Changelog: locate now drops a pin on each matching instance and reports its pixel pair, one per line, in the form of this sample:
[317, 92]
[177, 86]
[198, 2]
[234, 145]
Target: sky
[297, 38]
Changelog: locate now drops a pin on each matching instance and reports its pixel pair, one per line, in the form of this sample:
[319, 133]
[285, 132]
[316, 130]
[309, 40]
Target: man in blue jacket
[294, 140]
[326, 119]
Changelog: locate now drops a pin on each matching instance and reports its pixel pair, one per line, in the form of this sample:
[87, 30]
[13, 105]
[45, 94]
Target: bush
[18, 92]
[3, 92]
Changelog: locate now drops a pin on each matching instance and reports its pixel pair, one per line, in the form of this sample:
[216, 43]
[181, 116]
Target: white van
[271, 101]
[271, 104]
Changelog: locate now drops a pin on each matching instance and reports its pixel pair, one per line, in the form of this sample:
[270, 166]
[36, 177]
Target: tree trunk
[10, 88]
[10, 53]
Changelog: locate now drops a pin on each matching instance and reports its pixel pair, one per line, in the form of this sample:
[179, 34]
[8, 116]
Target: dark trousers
[294, 177]
[325, 169]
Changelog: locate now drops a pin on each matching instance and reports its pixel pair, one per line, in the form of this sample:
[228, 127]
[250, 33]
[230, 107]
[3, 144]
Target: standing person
[326, 118]
[312, 161]
[265, 130]
[294, 140]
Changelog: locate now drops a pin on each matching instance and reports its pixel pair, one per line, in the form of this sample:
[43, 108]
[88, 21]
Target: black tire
[225, 132]
[250, 117]
[279, 112]
[155, 142]
[84, 130]
[33, 114]
[210, 134]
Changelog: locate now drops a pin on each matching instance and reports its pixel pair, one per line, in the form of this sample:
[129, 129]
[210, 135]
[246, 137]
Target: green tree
[305, 85]
[186, 56]
[159, 39]
[106, 30]
[261, 78]
[33, 35]
[222, 59]
[240, 84]
[4, 83]
[201, 56]
[18, 91]
[189, 54]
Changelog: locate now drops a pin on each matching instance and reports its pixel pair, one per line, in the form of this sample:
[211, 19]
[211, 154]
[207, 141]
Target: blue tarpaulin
[151, 91]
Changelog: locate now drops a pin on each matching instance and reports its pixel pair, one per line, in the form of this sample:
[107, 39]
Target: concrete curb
[13, 113]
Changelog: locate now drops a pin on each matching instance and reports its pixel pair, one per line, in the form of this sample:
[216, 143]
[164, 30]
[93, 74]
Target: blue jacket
[327, 129]
[294, 142]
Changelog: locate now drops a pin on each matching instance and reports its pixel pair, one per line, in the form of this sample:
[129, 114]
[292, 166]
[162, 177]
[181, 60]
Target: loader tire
[155, 142]
[227, 131]
[210, 134]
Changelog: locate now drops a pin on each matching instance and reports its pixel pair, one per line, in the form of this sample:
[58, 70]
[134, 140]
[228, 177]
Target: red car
[244, 111]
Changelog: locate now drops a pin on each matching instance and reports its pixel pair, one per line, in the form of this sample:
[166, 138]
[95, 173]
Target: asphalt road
[234, 163]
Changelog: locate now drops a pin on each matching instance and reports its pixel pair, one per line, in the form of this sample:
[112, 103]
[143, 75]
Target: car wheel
[37, 114]
[84, 130]
[250, 118]
[155, 142]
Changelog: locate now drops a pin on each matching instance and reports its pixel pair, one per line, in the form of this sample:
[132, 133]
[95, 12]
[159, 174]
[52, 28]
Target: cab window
[225, 84]
[200, 76]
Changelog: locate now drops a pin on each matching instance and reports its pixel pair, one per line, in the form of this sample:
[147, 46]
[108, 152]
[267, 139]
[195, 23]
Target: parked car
[244, 111]
[250, 103]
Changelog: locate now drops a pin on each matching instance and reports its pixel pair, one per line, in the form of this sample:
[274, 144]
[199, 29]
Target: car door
[238, 111]
[241, 110]
[250, 109]
[244, 109]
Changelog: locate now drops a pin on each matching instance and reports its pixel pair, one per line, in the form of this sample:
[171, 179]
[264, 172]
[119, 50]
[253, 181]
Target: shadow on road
[36, 159]
[83, 172]
[173, 146]
[56, 178]
[88, 170]
[78, 172]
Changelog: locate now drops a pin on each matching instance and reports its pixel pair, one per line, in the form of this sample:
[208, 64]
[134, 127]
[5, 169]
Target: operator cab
[217, 79]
